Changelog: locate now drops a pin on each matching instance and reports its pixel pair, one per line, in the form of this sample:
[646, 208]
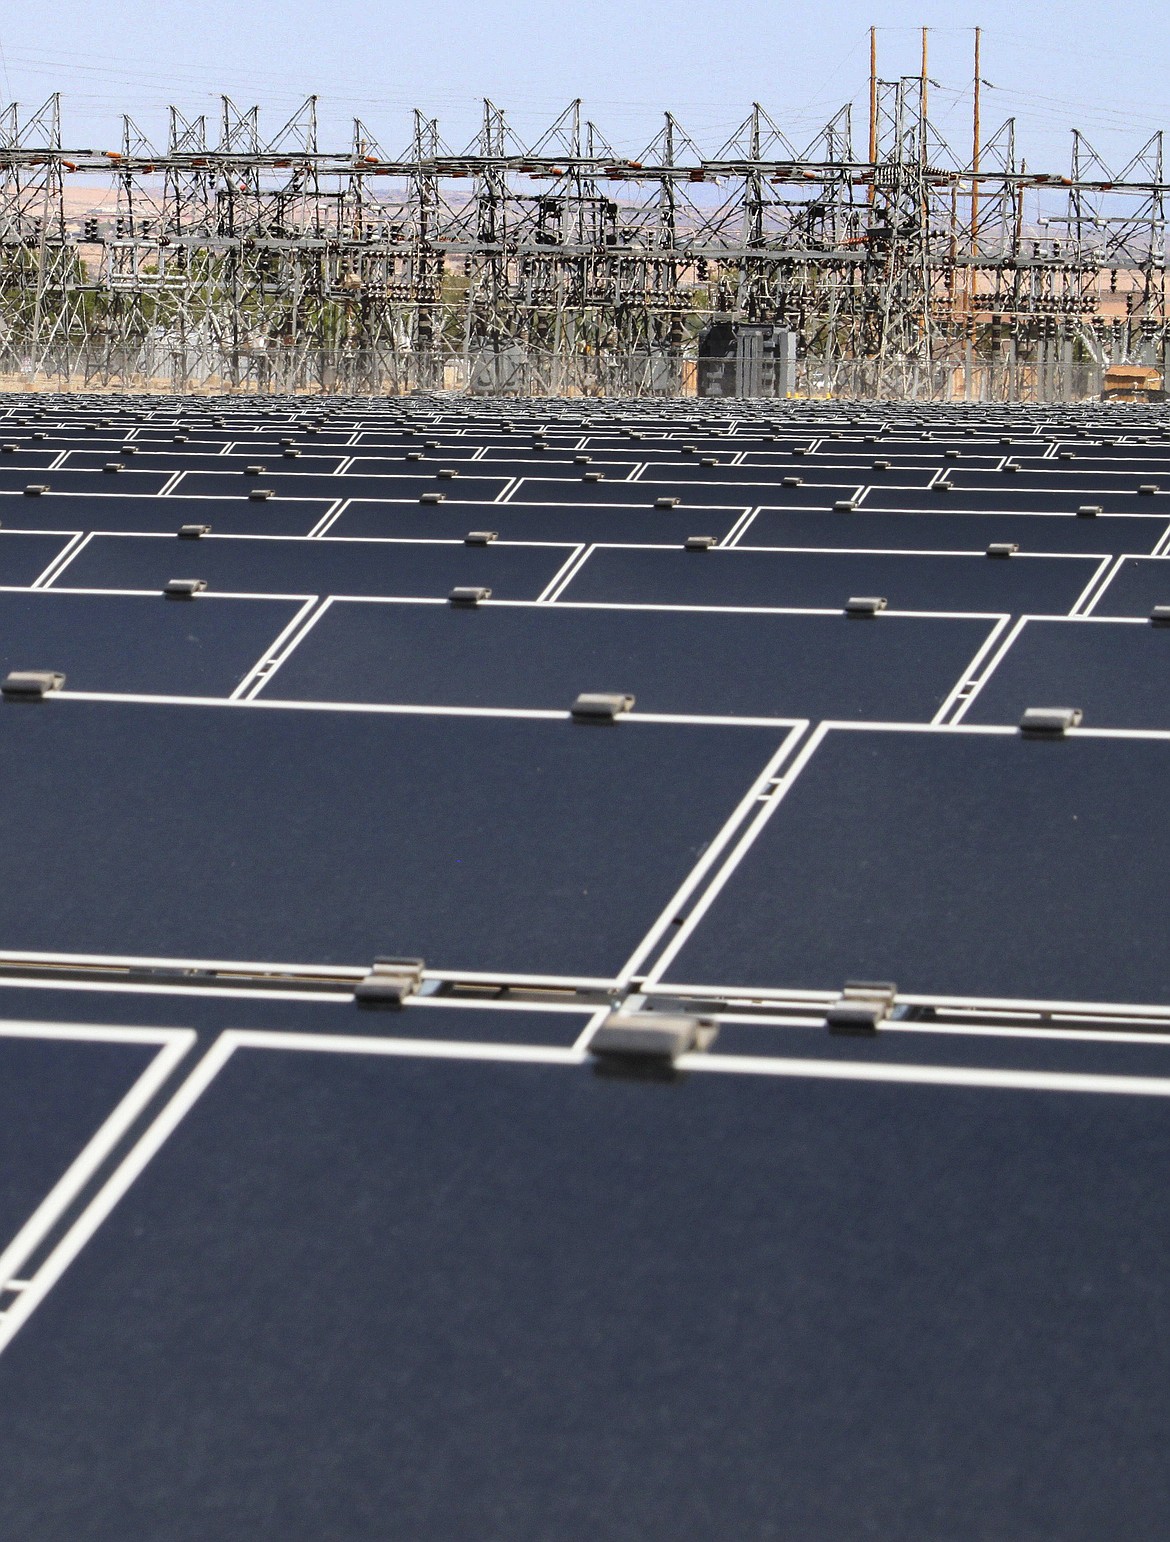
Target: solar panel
[262, 565]
[534, 522]
[739, 576]
[1134, 587]
[56, 1095]
[708, 662]
[24, 558]
[163, 516]
[1114, 671]
[171, 459]
[1024, 500]
[465, 488]
[27, 457]
[407, 1288]
[63, 480]
[871, 529]
[466, 840]
[555, 999]
[641, 493]
[140, 643]
[957, 863]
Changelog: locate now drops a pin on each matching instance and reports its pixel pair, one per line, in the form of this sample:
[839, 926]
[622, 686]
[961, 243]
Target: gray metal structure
[236, 258]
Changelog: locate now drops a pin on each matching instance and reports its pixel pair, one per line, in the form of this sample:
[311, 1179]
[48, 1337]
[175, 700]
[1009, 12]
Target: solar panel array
[576, 968]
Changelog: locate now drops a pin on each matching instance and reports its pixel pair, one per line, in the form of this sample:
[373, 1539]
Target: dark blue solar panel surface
[62, 480]
[804, 578]
[185, 458]
[1117, 673]
[1137, 585]
[364, 833]
[430, 1292]
[369, 1299]
[162, 516]
[54, 1096]
[314, 567]
[24, 557]
[709, 662]
[1011, 499]
[867, 528]
[953, 864]
[139, 643]
[465, 488]
[635, 495]
[533, 522]
[1039, 476]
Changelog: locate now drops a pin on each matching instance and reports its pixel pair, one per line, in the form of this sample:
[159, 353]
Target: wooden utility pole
[925, 33]
[872, 105]
[975, 147]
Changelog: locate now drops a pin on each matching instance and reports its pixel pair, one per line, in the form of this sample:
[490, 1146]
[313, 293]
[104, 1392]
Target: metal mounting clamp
[390, 982]
[184, 588]
[864, 605]
[468, 595]
[862, 1007]
[1049, 722]
[600, 707]
[30, 684]
[657, 1037]
[193, 532]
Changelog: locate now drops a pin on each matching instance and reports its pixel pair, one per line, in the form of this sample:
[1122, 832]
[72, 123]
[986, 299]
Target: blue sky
[1102, 68]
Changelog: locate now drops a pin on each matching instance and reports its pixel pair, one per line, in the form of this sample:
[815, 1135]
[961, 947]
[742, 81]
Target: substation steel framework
[237, 260]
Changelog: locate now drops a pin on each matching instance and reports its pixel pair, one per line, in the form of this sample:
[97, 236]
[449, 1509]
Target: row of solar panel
[354, 1286]
[550, 446]
[519, 655]
[151, 472]
[963, 863]
[603, 514]
[1001, 579]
